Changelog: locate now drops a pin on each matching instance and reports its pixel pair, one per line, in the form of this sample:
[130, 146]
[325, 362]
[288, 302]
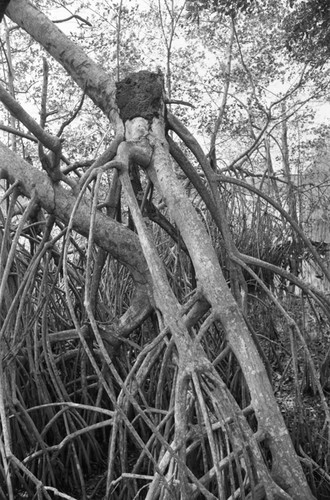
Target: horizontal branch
[114, 237]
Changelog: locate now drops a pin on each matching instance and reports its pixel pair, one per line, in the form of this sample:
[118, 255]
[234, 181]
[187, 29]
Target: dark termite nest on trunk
[140, 94]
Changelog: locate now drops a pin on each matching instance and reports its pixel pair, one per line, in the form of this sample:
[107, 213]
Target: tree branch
[49, 141]
[99, 85]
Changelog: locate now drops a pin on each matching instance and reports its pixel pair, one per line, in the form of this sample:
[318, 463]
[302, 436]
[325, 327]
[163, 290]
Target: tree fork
[146, 144]
[193, 364]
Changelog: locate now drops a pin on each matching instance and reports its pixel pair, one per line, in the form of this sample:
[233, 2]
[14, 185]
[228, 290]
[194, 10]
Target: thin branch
[74, 16]
[72, 117]
[293, 223]
[48, 140]
[212, 152]
[14, 131]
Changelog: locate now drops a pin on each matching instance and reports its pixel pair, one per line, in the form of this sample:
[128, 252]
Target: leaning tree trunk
[142, 141]
[146, 145]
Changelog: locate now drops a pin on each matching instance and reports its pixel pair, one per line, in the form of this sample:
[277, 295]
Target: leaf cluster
[226, 7]
[306, 26]
[307, 31]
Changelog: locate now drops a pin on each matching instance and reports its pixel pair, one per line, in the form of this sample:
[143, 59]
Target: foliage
[226, 7]
[306, 23]
[308, 33]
